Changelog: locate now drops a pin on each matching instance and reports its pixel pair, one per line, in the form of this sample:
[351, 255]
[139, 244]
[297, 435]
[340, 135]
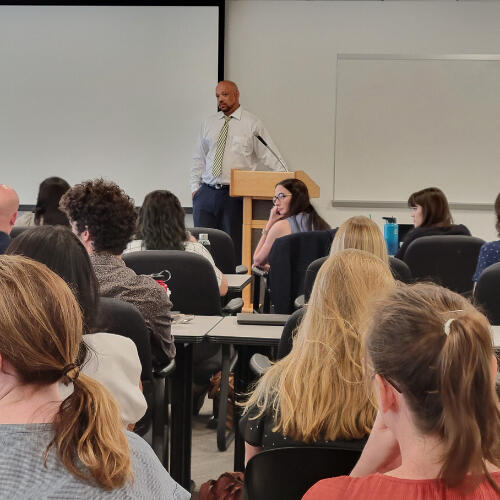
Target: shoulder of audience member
[149, 470]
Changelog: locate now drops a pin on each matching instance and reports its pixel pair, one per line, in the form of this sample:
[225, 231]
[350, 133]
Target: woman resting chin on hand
[292, 213]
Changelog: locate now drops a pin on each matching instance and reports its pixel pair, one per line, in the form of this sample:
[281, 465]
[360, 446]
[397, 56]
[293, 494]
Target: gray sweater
[24, 477]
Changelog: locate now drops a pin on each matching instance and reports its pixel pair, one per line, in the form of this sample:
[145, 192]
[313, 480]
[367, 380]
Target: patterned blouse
[119, 281]
[488, 255]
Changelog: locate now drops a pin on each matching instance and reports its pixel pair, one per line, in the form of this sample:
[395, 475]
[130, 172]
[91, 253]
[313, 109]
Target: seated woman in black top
[317, 395]
[431, 217]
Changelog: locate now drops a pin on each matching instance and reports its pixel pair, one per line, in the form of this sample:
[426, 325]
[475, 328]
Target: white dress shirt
[243, 150]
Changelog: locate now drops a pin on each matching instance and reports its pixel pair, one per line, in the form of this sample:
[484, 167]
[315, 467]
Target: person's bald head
[9, 204]
[228, 97]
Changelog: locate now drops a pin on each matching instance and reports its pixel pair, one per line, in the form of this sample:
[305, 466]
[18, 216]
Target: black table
[228, 332]
[185, 335]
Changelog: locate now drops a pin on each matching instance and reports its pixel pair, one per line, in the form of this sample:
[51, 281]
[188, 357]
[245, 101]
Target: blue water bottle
[391, 235]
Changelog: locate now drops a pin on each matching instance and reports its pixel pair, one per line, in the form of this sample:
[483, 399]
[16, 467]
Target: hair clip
[450, 321]
[447, 326]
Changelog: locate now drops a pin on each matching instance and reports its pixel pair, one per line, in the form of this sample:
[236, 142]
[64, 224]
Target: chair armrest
[164, 371]
[259, 364]
[299, 302]
[233, 306]
[241, 269]
[259, 272]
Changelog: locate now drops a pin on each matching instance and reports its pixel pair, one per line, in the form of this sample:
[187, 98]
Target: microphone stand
[274, 154]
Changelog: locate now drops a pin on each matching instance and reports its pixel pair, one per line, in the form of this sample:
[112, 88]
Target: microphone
[261, 139]
[258, 137]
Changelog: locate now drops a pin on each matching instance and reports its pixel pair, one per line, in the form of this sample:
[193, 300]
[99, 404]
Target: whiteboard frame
[400, 57]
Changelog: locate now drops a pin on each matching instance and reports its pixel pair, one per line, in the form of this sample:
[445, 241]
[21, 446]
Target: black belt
[217, 186]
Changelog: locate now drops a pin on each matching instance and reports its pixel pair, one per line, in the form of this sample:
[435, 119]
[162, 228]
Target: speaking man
[227, 140]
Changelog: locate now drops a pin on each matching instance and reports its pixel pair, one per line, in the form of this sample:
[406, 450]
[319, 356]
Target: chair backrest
[288, 260]
[400, 270]
[287, 473]
[447, 260]
[487, 293]
[286, 341]
[123, 318]
[17, 230]
[311, 272]
[221, 248]
[193, 282]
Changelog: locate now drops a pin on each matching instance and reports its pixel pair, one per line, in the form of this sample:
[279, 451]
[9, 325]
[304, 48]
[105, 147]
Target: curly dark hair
[103, 209]
[161, 222]
[300, 203]
[47, 203]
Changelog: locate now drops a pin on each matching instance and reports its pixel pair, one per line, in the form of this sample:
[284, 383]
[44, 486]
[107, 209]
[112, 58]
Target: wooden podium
[257, 185]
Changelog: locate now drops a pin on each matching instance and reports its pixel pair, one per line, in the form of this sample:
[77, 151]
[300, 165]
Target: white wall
[283, 54]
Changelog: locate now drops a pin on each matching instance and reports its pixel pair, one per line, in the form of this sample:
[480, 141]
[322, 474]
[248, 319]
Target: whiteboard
[408, 122]
[112, 91]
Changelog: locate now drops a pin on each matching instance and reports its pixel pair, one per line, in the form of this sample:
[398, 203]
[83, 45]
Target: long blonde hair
[41, 336]
[362, 233]
[318, 390]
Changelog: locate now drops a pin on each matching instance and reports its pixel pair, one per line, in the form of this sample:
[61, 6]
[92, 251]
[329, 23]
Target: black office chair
[17, 230]
[122, 318]
[289, 258]
[192, 280]
[487, 293]
[194, 291]
[447, 260]
[399, 269]
[310, 278]
[221, 248]
[287, 473]
[289, 330]
[260, 363]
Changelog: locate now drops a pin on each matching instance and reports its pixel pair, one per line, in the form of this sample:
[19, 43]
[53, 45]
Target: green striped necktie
[221, 145]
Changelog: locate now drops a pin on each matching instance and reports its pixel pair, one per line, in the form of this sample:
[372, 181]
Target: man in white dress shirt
[227, 140]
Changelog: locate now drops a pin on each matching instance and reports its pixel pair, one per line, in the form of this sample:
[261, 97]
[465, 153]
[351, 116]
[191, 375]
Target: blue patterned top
[488, 255]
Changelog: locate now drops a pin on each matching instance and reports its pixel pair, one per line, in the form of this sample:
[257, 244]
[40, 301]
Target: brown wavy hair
[300, 202]
[445, 379]
[318, 391]
[161, 222]
[103, 209]
[40, 335]
[435, 208]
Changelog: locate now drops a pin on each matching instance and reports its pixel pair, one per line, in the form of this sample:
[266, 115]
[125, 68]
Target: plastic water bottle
[203, 239]
[391, 235]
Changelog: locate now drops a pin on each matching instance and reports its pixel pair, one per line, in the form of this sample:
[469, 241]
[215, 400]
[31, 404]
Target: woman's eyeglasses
[279, 196]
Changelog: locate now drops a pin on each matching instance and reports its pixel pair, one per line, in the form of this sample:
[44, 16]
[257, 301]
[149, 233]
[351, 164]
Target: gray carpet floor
[207, 462]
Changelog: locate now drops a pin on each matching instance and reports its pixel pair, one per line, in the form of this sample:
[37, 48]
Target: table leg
[182, 411]
[241, 382]
[223, 439]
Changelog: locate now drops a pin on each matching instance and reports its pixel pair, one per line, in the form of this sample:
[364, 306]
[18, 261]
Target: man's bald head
[9, 205]
[228, 97]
